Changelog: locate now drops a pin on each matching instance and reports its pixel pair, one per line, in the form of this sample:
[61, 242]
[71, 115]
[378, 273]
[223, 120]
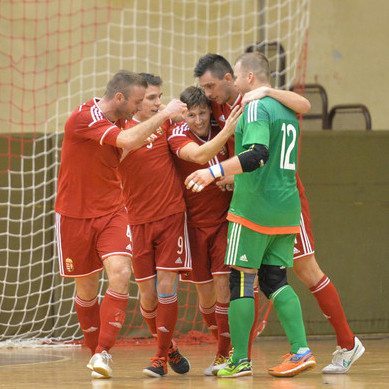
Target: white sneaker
[100, 363]
[343, 358]
[97, 376]
[218, 363]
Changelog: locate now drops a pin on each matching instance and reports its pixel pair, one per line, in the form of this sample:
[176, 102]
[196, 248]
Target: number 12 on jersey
[287, 132]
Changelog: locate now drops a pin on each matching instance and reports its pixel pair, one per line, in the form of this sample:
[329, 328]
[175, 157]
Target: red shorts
[83, 244]
[304, 243]
[208, 247]
[160, 245]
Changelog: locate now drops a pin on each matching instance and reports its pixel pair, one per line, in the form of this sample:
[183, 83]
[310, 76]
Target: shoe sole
[103, 371]
[98, 376]
[150, 373]
[236, 375]
[309, 365]
[356, 357]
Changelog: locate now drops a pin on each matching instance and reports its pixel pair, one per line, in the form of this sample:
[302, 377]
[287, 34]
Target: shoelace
[219, 360]
[175, 356]
[157, 362]
[106, 357]
[339, 350]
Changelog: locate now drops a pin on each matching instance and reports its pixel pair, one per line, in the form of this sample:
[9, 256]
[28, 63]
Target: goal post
[56, 55]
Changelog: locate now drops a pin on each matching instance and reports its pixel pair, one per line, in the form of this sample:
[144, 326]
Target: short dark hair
[121, 83]
[151, 79]
[215, 63]
[193, 96]
[257, 63]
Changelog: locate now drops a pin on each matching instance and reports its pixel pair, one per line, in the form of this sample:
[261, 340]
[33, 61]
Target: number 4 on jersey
[287, 130]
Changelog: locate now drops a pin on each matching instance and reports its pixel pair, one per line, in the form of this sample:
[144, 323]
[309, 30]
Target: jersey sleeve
[98, 129]
[177, 138]
[257, 125]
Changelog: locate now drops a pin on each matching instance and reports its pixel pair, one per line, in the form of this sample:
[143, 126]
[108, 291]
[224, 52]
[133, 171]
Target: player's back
[268, 196]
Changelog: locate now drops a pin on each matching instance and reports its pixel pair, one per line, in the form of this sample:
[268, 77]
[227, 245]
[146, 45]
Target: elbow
[305, 107]
[200, 158]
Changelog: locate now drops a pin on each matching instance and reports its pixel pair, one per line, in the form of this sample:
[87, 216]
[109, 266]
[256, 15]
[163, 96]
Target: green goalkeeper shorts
[248, 248]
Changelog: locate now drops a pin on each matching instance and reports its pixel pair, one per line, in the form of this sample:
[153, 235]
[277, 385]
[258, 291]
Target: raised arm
[202, 154]
[292, 100]
[138, 135]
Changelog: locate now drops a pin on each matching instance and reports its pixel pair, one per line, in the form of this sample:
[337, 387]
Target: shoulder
[178, 130]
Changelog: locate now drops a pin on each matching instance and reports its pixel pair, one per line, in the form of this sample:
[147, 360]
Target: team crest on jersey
[222, 118]
[69, 265]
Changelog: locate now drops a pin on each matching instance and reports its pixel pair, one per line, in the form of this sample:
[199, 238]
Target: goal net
[57, 54]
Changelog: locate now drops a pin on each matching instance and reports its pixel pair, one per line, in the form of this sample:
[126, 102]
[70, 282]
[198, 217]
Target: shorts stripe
[59, 243]
[188, 254]
[233, 244]
[304, 237]
[242, 283]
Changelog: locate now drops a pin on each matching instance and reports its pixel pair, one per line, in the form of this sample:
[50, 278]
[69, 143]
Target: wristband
[217, 170]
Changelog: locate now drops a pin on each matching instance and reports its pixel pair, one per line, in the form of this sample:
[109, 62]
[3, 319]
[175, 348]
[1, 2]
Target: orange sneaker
[293, 364]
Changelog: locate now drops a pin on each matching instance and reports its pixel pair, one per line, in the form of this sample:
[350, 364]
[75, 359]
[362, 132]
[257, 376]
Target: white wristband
[217, 170]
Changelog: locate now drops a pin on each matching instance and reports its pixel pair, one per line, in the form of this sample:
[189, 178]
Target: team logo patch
[222, 118]
[178, 261]
[69, 265]
[295, 250]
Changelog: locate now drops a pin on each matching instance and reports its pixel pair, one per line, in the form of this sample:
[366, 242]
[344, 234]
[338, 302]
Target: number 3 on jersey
[289, 136]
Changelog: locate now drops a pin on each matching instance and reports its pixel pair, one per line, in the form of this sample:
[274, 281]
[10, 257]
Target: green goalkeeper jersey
[266, 199]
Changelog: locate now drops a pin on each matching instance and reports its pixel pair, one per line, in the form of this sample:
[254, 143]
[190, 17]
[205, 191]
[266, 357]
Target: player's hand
[232, 120]
[255, 94]
[198, 180]
[226, 183]
[175, 108]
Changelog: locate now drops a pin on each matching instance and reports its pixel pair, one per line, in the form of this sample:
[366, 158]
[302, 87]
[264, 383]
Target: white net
[68, 53]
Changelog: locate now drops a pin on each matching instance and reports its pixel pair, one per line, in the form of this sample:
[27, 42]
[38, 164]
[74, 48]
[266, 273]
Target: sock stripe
[117, 295]
[85, 303]
[148, 314]
[167, 300]
[321, 285]
[221, 310]
[207, 311]
[277, 292]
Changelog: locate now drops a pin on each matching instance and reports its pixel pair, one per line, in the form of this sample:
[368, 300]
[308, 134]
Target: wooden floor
[65, 368]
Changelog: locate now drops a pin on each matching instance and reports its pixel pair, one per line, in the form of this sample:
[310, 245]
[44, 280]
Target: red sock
[112, 315]
[149, 318]
[167, 313]
[254, 328]
[329, 302]
[88, 313]
[209, 318]
[224, 340]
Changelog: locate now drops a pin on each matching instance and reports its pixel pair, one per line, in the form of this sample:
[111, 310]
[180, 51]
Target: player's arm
[202, 154]
[292, 100]
[139, 134]
[247, 161]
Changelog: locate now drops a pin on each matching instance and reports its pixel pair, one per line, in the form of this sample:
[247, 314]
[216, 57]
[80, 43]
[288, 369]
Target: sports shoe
[293, 364]
[100, 363]
[343, 358]
[177, 361]
[158, 367]
[97, 376]
[232, 370]
[218, 363]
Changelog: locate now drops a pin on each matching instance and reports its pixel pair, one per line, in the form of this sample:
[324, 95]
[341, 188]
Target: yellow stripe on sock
[241, 284]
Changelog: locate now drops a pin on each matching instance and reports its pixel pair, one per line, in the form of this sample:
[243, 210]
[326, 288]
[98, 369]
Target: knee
[166, 283]
[241, 285]
[271, 278]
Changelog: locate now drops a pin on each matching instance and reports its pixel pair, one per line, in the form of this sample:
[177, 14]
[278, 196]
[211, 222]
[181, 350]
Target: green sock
[288, 308]
[240, 319]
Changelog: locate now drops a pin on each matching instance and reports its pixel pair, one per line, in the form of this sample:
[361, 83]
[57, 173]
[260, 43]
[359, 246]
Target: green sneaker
[239, 369]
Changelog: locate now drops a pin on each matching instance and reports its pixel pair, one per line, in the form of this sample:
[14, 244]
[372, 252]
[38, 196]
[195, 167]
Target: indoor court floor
[65, 368]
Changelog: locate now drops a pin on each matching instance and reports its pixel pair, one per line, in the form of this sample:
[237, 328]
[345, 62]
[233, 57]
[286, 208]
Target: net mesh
[55, 55]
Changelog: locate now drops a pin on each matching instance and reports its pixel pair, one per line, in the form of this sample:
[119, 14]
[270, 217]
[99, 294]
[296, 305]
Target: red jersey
[208, 207]
[89, 184]
[151, 185]
[221, 111]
